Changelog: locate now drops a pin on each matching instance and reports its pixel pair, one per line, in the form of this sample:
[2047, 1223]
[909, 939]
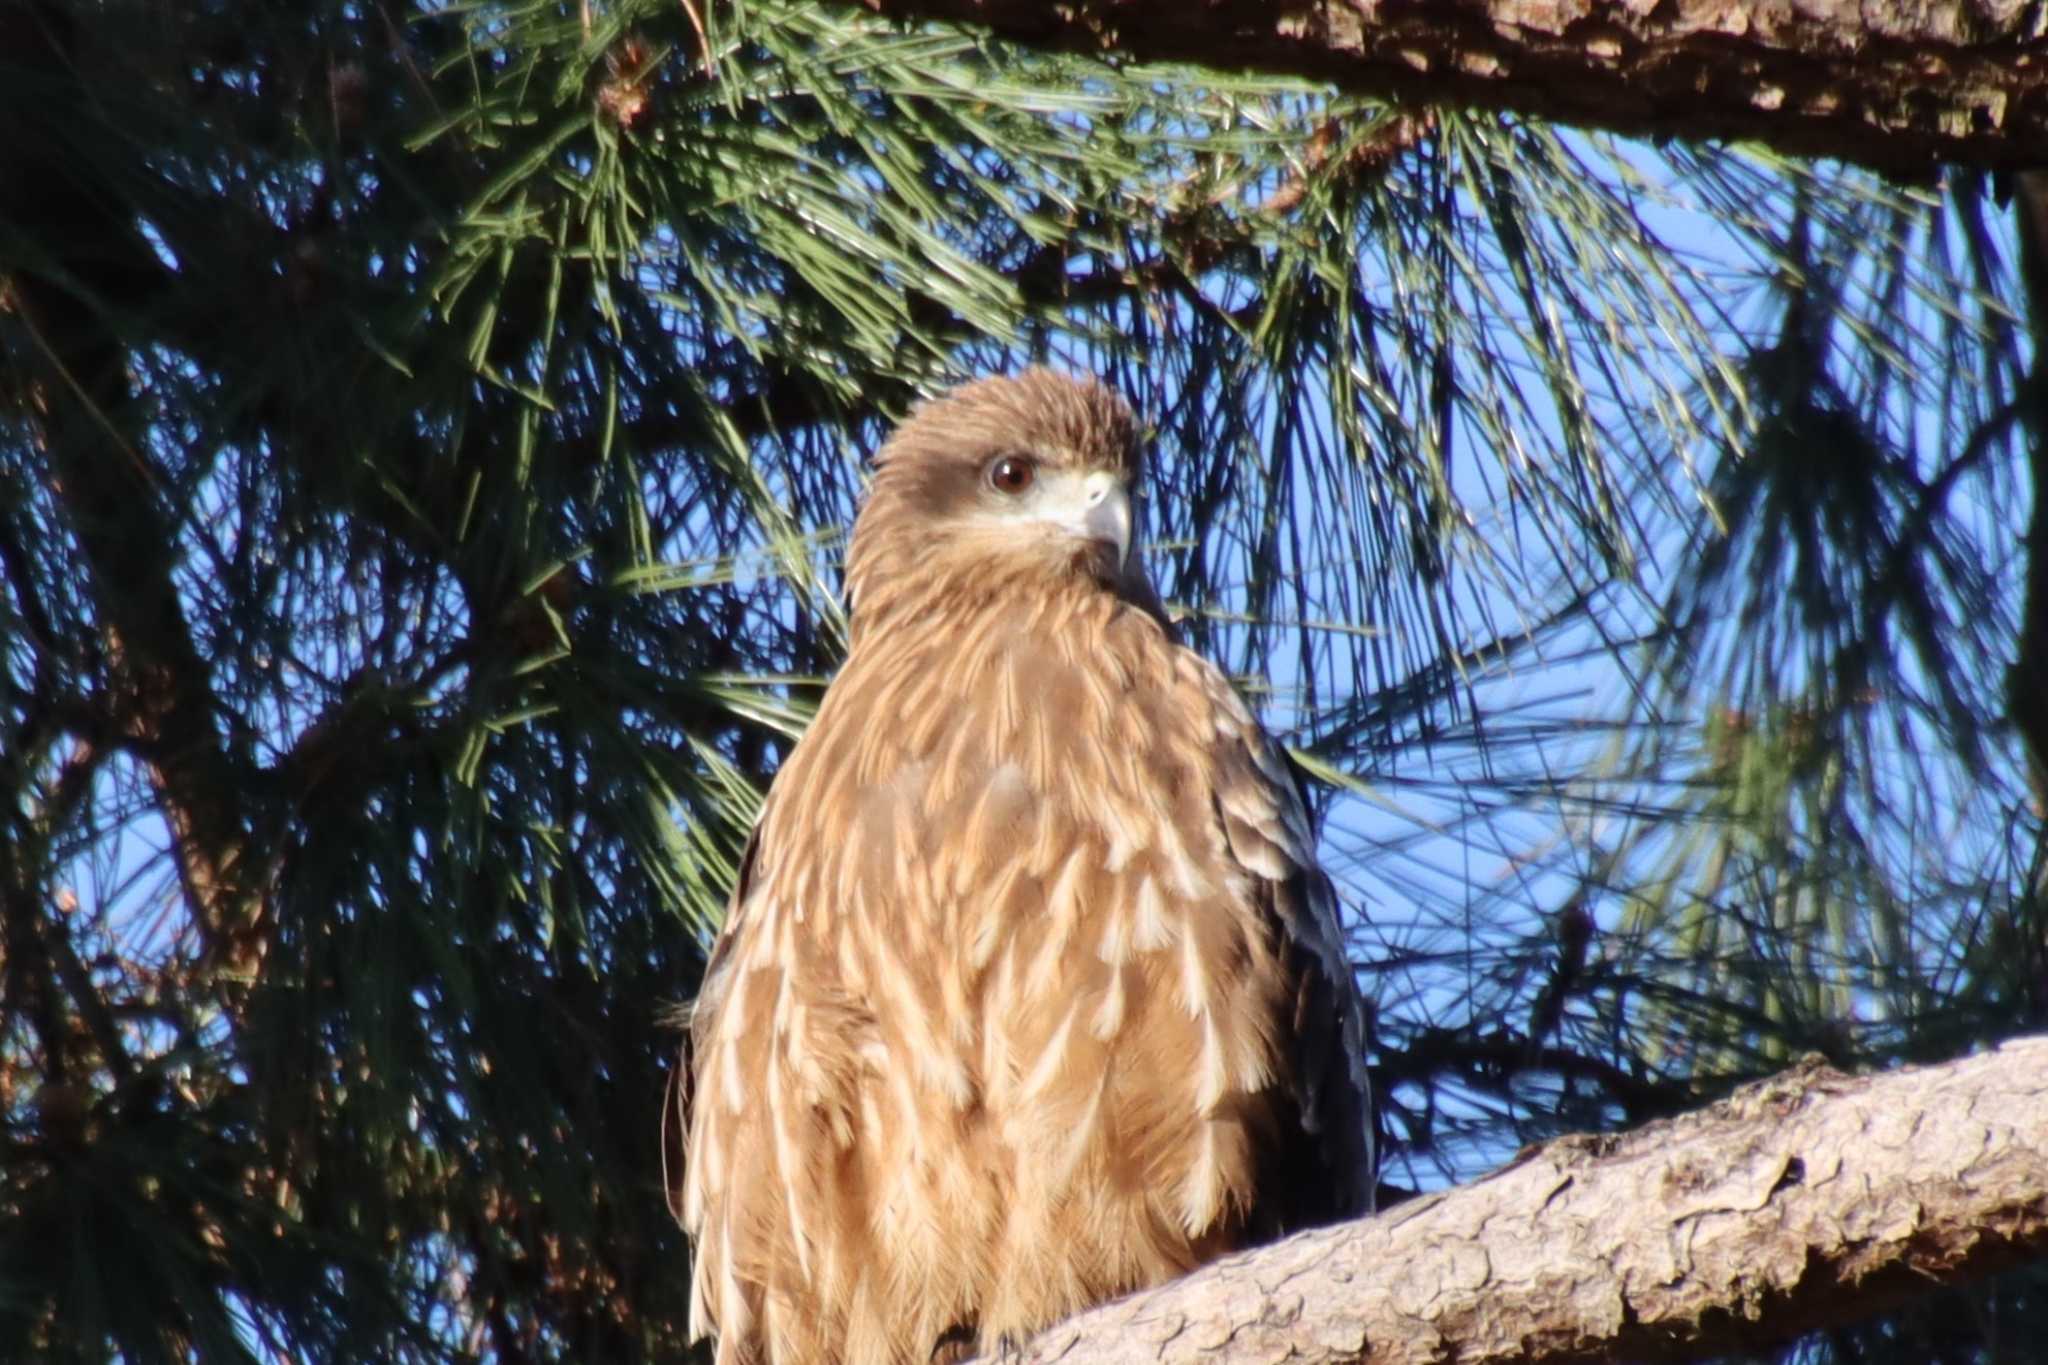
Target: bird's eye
[1011, 474]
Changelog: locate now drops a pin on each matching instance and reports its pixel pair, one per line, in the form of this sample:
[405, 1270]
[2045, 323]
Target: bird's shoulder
[1269, 833]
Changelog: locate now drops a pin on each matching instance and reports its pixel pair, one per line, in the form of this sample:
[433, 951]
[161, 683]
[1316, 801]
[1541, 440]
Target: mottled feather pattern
[1031, 994]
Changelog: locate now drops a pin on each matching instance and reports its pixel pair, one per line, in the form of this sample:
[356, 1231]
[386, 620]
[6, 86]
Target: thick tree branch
[2028, 682]
[1809, 1199]
[1899, 87]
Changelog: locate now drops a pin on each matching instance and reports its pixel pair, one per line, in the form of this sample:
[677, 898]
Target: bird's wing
[1268, 833]
[721, 1299]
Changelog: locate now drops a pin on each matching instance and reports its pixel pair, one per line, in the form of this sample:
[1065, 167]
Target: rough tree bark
[1810, 1199]
[1902, 88]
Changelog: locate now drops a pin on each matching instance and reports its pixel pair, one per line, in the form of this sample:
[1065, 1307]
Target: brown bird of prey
[1031, 993]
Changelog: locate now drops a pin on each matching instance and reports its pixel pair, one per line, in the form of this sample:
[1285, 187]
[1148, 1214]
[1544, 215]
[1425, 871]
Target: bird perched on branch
[1030, 993]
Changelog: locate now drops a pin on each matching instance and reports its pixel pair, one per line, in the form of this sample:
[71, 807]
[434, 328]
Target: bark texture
[1899, 87]
[1809, 1199]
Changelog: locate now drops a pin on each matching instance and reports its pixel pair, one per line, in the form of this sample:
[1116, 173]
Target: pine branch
[1898, 88]
[1810, 1199]
[82, 401]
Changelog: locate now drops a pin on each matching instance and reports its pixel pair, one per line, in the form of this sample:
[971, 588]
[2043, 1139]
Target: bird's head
[1032, 476]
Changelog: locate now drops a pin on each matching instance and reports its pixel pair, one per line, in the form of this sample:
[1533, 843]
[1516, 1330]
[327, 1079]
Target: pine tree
[424, 441]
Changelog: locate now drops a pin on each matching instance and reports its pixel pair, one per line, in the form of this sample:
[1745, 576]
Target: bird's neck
[955, 597]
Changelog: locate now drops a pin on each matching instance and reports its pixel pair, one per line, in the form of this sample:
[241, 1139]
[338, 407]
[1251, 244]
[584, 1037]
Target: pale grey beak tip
[1108, 519]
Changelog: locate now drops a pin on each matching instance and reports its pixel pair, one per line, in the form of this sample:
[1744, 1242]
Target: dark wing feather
[1321, 1167]
[1337, 1178]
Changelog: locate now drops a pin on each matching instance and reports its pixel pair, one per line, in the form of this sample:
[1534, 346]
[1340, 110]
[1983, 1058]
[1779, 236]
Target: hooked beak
[1106, 513]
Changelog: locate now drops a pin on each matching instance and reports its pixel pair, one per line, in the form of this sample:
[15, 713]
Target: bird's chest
[990, 790]
[1012, 865]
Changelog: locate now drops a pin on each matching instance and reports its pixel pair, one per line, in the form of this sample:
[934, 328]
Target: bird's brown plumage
[1031, 992]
